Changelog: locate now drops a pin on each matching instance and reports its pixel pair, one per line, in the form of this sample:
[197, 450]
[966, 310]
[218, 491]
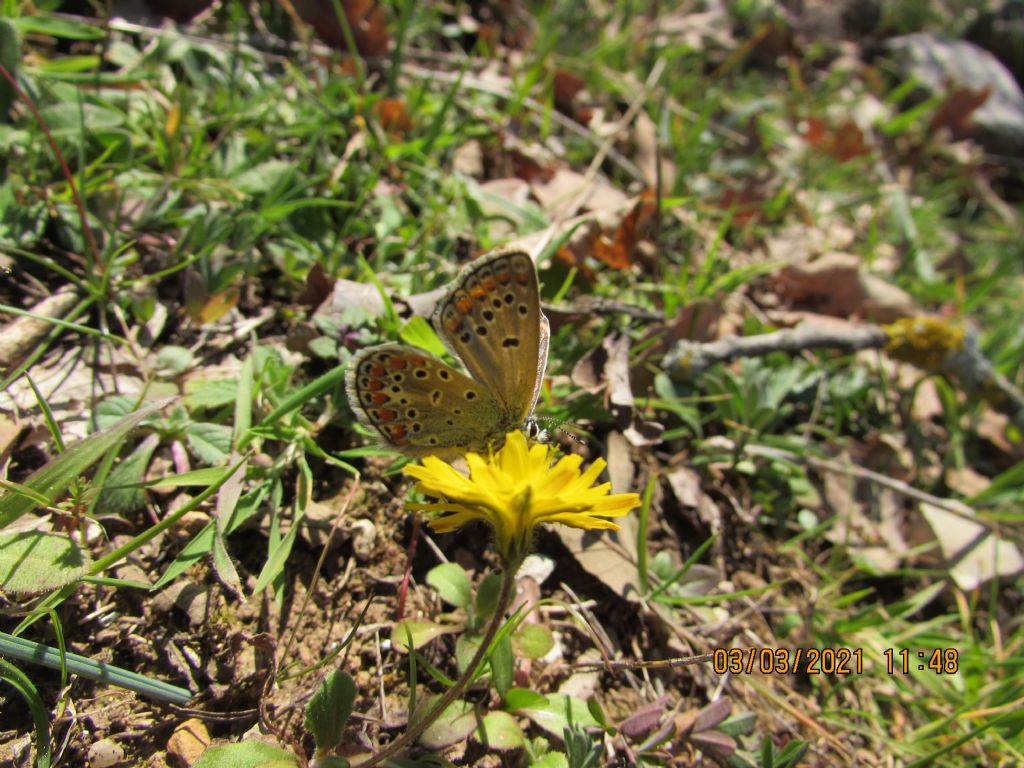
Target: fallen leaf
[393, 116]
[616, 250]
[843, 142]
[835, 284]
[364, 17]
[974, 554]
[954, 114]
[654, 166]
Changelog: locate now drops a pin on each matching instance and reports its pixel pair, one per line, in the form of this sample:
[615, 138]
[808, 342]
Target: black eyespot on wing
[471, 394]
[510, 342]
[421, 373]
[443, 374]
[481, 330]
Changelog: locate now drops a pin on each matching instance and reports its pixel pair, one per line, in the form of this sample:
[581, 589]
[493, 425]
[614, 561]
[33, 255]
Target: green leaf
[419, 333]
[551, 760]
[211, 442]
[325, 347]
[329, 709]
[452, 726]
[246, 754]
[37, 561]
[487, 595]
[451, 582]
[502, 662]
[53, 27]
[118, 497]
[422, 632]
[70, 119]
[499, 730]
[175, 360]
[28, 691]
[559, 712]
[10, 53]
[112, 409]
[53, 479]
[264, 177]
[534, 641]
[523, 698]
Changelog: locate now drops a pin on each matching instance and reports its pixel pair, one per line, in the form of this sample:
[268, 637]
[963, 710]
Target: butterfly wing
[492, 322]
[420, 405]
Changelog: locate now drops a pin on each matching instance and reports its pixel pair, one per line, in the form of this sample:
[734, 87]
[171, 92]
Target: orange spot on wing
[464, 303]
[375, 384]
[386, 414]
[397, 362]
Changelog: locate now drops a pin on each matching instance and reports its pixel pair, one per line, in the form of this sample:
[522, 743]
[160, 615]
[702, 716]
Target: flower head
[516, 488]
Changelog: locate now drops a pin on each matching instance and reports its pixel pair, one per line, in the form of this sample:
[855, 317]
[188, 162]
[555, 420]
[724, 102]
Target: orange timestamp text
[783, 661]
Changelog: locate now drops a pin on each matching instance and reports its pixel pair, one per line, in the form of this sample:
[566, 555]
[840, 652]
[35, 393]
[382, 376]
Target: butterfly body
[490, 320]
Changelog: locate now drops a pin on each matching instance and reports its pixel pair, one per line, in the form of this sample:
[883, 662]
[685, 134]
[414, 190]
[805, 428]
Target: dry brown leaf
[843, 142]
[566, 87]
[836, 285]
[966, 481]
[955, 112]
[647, 157]
[605, 370]
[347, 294]
[468, 159]
[974, 554]
[393, 116]
[10, 429]
[365, 18]
[318, 287]
[20, 336]
[746, 203]
[617, 249]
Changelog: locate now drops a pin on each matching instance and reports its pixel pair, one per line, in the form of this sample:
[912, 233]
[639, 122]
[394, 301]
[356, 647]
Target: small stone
[105, 753]
[187, 743]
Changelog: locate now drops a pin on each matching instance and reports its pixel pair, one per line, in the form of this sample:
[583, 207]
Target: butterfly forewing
[419, 404]
[491, 320]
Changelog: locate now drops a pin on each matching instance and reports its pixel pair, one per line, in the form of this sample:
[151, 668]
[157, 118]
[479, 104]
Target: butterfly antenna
[542, 431]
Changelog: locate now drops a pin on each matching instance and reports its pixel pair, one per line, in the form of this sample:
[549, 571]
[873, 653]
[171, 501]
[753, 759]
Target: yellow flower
[514, 490]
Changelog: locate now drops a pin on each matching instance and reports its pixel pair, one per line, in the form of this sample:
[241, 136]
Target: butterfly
[490, 320]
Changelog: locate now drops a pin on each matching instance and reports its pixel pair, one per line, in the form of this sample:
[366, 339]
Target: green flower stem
[27, 650]
[508, 582]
